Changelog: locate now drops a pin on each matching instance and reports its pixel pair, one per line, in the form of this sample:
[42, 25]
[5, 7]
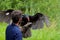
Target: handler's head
[16, 16]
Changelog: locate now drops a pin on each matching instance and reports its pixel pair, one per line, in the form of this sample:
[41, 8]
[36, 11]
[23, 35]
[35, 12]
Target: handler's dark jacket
[13, 32]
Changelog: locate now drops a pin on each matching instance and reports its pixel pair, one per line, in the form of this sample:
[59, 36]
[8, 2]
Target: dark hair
[16, 15]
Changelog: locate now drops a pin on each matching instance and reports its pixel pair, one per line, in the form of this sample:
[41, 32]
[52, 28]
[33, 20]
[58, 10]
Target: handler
[13, 31]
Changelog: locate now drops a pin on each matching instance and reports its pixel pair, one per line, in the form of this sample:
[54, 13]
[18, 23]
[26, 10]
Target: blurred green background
[51, 8]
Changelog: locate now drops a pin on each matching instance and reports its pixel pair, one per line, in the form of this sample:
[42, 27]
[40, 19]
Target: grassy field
[47, 33]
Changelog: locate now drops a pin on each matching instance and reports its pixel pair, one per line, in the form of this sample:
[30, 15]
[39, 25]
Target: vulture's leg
[27, 33]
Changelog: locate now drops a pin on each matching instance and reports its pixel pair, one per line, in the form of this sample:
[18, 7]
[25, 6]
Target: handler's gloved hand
[28, 24]
[26, 30]
[26, 27]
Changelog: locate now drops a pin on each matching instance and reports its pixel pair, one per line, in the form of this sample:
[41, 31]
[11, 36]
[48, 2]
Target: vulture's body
[37, 21]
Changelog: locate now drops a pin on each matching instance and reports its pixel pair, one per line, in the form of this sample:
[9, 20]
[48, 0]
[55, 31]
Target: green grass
[50, 33]
[2, 30]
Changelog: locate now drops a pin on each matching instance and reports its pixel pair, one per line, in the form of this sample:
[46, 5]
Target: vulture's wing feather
[46, 20]
[4, 17]
[40, 22]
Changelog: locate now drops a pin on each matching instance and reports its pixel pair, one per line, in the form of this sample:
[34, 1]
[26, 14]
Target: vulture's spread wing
[40, 22]
[4, 17]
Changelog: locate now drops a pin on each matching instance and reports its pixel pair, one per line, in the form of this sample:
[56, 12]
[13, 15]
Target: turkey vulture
[37, 21]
